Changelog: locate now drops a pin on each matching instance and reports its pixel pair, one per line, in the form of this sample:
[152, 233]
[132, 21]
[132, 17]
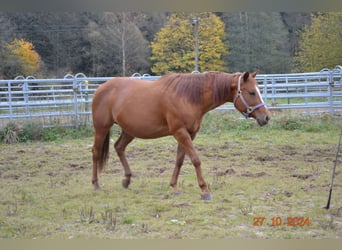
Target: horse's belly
[145, 131]
[145, 125]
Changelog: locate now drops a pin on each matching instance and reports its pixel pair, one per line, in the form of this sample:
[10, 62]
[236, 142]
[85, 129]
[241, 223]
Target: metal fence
[67, 101]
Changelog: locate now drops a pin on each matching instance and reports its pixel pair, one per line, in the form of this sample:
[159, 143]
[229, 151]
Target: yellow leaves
[29, 59]
[321, 43]
[173, 49]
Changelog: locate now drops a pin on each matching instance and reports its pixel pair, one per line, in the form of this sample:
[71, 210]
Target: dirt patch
[289, 150]
[320, 152]
[265, 158]
[302, 176]
[157, 171]
[11, 176]
[76, 166]
[290, 168]
[253, 175]
[179, 205]
[287, 193]
[275, 192]
[229, 171]
[114, 171]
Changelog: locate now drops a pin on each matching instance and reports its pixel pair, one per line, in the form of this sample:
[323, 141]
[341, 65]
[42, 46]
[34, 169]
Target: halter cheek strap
[249, 109]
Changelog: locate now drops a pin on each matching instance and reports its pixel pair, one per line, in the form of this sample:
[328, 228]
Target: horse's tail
[104, 153]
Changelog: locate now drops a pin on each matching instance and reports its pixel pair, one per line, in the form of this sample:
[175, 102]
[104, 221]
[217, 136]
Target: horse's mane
[193, 86]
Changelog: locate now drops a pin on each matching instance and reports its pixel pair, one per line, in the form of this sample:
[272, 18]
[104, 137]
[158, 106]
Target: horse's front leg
[176, 171]
[185, 140]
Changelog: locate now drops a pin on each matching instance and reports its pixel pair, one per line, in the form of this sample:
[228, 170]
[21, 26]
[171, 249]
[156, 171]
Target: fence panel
[68, 100]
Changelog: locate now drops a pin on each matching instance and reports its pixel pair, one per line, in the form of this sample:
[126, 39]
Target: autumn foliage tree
[173, 49]
[320, 43]
[20, 59]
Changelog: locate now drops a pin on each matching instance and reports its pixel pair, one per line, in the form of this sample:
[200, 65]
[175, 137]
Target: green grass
[275, 171]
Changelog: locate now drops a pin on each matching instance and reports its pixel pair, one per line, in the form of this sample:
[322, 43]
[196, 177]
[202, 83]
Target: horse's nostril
[267, 118]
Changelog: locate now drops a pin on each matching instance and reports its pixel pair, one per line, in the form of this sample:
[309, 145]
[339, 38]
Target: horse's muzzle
[263, 120]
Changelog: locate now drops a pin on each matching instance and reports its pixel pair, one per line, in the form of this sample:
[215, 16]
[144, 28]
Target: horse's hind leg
[120, 147]
[176, 171]
[100, 153]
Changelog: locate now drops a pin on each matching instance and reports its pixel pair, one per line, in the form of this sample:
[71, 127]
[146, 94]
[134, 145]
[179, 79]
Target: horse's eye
[251, 93]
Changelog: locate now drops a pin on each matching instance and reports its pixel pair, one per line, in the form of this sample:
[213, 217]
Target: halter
[249, 109]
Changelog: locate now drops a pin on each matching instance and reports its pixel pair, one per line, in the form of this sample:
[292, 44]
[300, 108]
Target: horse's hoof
[125, 183]
[206, 196]
[176, 193]
[96, 186]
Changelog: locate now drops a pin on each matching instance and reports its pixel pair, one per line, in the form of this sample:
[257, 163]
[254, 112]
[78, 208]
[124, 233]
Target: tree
[320, 43]
[133, 46]
[173, 49]
[6, 35]
[117, 45]
[294, 22]
[58, 37]
[257, 40]
[20, 58]
[95, 43]
[110, 44]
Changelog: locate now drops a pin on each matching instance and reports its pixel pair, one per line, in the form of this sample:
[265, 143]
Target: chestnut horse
[172, 105]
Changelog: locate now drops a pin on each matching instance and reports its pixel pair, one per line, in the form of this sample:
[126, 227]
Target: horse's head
[248, 99]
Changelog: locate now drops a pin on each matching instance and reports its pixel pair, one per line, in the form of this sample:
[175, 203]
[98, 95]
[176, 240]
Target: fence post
[86, 107]
[26, 91]
[336, 72]
[273, 90]
[330, 90]
[265, 90]
[287, 89]
[75, 90]
[330, 80]
[10, 100]
[25, 94]
[77, 86]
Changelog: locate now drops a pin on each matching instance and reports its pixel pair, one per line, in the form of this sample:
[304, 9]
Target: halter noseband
[249, 109]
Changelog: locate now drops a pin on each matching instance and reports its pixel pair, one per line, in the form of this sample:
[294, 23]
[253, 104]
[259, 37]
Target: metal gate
[67, 101]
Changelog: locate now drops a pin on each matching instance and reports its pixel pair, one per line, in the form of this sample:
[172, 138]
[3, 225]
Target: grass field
[269, 182]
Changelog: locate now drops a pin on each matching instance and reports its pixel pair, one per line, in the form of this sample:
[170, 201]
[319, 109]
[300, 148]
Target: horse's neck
[213, 100]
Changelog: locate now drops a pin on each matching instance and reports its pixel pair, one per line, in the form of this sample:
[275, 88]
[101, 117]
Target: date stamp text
[280, 221]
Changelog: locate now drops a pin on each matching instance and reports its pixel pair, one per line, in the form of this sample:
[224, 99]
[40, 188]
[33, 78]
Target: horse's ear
[245, 76]
[255, 73]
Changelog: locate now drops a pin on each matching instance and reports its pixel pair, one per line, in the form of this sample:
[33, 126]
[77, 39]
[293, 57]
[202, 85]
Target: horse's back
[118, 90]
[135, 105]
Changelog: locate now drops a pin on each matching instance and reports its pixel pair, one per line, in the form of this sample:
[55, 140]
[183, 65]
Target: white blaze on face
[260, 96]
